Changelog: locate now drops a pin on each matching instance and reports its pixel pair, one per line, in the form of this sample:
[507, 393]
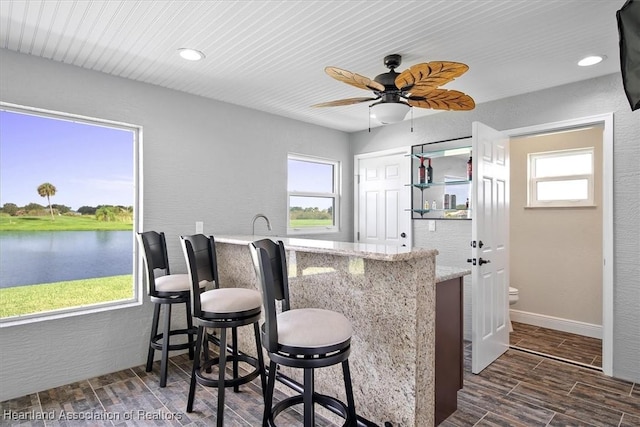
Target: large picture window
[313, 195]
[561, 178]
[68, 207]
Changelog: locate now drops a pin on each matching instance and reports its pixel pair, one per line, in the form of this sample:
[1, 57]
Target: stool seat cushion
[230, 300]
[176, 283]
[312, 328]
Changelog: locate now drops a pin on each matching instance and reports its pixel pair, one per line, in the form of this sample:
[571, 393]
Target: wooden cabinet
[449, 347]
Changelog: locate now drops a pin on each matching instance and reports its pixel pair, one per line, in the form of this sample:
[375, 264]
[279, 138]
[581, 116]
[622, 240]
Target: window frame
[138, 293]
[533, 181]
[335, 195]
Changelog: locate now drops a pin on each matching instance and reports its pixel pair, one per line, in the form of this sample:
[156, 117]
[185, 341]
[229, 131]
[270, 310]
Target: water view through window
[67, 204]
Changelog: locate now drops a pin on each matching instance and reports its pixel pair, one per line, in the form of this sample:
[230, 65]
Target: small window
[561, 178]
[313, 197]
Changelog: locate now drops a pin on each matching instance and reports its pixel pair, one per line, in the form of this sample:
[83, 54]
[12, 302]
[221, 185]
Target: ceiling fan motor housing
[388, 80]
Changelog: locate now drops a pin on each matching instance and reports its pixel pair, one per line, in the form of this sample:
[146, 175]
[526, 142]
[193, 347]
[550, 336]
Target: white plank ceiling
[270, 55]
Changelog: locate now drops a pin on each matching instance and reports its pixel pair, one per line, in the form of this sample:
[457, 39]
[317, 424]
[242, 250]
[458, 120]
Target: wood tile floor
[518, 389]
[563, 345]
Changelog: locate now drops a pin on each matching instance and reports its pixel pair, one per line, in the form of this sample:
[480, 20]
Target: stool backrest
[270, 263]
[154, 252]
[200, 255]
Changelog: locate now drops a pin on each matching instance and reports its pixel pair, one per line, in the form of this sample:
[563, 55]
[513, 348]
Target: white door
[383, 207]
[489, 252]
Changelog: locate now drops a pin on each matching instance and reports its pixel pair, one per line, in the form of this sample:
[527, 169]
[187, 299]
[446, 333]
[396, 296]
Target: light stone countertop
[380, 252]
[444, 273]
[364, 250]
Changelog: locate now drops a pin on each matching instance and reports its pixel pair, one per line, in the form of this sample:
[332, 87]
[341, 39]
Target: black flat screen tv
[629, 29]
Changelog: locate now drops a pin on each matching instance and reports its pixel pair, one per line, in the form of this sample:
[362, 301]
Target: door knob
[483, 261]
[403, 235]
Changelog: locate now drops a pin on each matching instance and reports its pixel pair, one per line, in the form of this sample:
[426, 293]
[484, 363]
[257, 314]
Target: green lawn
[60, 223]
[302, 223]
[21, 300]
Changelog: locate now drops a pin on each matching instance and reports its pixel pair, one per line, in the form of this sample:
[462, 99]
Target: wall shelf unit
[446, 190]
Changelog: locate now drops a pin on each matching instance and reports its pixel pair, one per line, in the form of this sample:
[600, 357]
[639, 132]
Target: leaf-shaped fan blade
[354, 79]
[422, 78]
[347, 101]
[442, 99]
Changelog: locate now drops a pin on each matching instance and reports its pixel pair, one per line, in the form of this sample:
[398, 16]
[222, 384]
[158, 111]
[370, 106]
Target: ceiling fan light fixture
[190, 54]
[390, 112]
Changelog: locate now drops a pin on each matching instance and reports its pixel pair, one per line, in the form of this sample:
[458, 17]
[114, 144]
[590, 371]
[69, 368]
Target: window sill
[68, 312]
[563, 207]
[298, 231]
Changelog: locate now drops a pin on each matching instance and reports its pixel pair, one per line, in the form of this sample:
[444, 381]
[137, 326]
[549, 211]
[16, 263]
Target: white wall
[587, 98]
[203, 161]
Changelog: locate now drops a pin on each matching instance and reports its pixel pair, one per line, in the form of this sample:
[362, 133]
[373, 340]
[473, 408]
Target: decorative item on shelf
[426, 206]
[452, 202]
[429, 172]
[434, 206]
[446, 202]
[470, 167]
[421, 171]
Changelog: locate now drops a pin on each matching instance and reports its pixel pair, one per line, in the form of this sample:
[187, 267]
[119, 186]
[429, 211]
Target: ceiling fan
[417, 86]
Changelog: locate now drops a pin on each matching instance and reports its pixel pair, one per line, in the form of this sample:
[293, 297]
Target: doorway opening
[564, 308]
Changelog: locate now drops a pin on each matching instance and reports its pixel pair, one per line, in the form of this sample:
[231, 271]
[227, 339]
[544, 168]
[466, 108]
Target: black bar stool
[164, 289]
[306, 338]
[219, 308]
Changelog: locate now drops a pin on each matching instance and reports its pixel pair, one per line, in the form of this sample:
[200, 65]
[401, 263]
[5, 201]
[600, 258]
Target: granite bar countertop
[380, 252]
[444, 273]
[364, 250]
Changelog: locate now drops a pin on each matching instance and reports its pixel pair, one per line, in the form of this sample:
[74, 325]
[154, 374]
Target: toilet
[513, 295]
[513, 298]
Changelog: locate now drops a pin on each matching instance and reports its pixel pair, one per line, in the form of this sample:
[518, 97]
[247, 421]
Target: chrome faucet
[253, 223]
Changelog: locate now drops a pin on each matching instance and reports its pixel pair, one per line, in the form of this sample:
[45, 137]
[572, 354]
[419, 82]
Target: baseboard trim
[557, 323]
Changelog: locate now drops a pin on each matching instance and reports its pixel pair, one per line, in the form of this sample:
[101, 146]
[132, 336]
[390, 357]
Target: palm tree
[47, 190]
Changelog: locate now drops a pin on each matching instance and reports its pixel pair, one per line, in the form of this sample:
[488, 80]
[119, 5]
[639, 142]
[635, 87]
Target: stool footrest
[321, 399]
[158, 345]
[209, 382]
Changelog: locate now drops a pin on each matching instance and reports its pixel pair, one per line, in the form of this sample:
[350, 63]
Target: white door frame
[605, 120]
[356, 176]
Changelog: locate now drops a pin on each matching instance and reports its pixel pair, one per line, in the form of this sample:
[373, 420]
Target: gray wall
[587, 98]
[203, 161]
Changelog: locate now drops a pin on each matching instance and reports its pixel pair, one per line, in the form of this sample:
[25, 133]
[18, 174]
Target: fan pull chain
[369, 118]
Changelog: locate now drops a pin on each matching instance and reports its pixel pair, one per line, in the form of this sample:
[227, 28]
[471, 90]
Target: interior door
[384, 199]
[489, 241]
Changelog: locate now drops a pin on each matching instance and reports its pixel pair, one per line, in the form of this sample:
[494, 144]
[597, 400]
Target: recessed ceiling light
[190, 54]
[591, 60]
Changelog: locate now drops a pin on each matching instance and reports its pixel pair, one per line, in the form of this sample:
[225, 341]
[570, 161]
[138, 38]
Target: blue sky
[89, 165]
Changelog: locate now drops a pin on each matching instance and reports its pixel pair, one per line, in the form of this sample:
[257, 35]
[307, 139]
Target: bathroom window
[561, 178]
[313, 196]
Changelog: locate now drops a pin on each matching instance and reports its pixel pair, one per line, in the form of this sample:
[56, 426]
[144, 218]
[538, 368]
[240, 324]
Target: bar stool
[219, 308]
[164, 290]
[306, 338]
